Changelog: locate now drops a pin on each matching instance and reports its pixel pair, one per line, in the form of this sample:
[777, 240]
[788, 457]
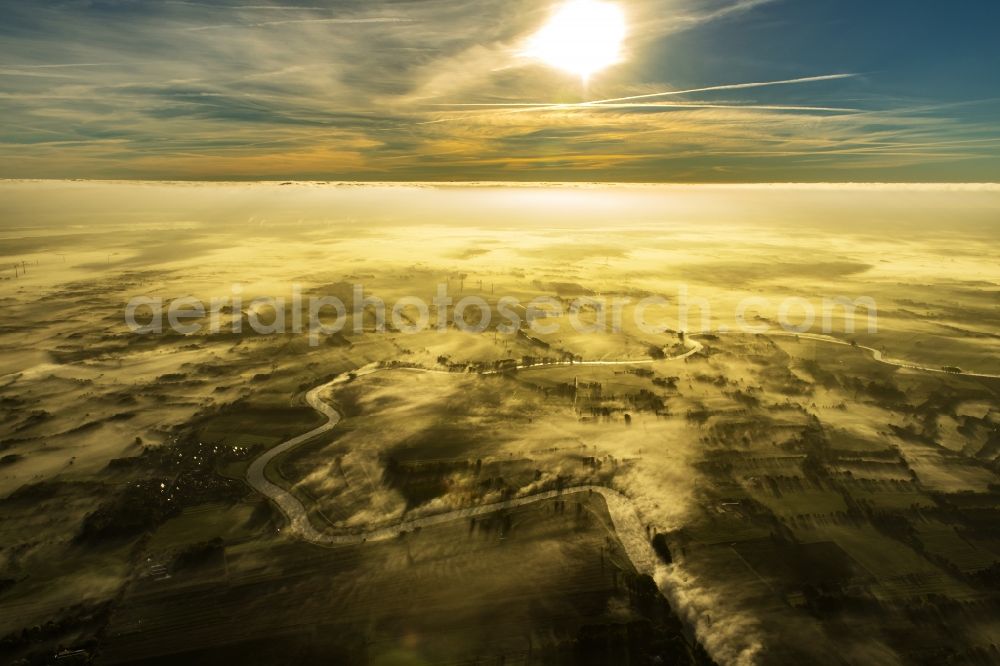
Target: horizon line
[824, 185]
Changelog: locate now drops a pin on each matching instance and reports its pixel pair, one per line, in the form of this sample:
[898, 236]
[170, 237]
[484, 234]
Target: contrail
[687, 105]
[515, 107]
[62, 65]
[50, 71]
[729, 86]
[334, 21]
[706, 105]
[209, 5]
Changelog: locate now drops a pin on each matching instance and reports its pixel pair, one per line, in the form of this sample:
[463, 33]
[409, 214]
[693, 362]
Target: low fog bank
[861, 208]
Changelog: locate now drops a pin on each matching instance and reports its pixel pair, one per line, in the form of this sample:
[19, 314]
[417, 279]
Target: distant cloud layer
[718, 90]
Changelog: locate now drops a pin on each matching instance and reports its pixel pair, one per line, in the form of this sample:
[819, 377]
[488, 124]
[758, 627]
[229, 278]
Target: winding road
[626, 521]
[878, 355]
[623, 514]
[625, 518]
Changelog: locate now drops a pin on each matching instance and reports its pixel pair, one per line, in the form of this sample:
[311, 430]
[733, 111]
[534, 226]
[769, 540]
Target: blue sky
[877, 91]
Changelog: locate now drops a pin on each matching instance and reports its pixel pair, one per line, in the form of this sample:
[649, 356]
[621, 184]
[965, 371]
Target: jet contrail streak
[682, 105]
[332, 21]
[515, 107]
[729, 86]
[69, 64]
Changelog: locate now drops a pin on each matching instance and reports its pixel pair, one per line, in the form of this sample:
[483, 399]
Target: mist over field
[678, 454]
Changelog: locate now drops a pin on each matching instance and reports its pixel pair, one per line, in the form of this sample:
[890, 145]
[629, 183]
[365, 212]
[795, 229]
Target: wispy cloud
[439, 90]
[707, 14]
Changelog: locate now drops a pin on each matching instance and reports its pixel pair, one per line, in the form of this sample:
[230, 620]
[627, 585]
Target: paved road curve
[625, 519]
[623, 514]
[878, 355]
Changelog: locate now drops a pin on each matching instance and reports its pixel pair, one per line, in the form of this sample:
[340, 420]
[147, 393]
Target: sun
[582, 37]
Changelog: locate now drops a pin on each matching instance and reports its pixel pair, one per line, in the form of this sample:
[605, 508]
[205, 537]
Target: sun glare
[582, 37]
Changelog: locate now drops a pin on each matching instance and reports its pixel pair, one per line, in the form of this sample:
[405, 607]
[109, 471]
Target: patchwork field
[817, 498]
